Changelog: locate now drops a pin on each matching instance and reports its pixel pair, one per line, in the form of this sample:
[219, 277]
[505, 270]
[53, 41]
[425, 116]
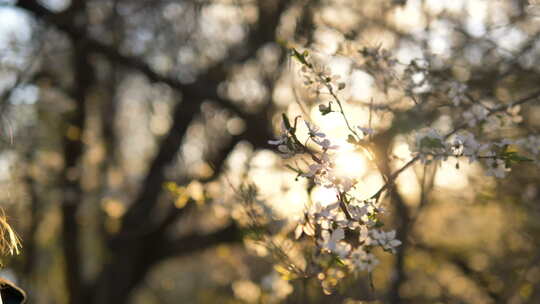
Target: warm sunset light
[269, 151]
[351, 164]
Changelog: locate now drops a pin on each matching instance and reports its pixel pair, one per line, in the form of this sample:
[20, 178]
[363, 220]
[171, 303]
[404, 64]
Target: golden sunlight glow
[350, 163]
[451, 178]
[278, 189]
[323, 196]
[448, 177]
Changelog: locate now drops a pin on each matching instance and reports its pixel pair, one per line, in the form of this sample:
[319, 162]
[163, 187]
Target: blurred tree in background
[127, 128]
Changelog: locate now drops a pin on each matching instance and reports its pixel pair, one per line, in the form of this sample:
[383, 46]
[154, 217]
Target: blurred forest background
[126, 126]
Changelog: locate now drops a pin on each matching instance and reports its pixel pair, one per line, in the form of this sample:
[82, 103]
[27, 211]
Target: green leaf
[300, 57]
[286, 122]
[512, 156]
[351, 139]
[429, 142]
[325, 109]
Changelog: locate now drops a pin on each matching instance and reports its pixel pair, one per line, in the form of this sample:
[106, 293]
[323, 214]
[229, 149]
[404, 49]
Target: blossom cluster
[316, 75]
[347, 231]
[497, 156]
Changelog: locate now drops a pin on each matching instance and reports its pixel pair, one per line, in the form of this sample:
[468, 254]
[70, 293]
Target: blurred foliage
[127, 129]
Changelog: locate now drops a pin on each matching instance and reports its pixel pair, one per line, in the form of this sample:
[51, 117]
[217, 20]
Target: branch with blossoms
[346, 232]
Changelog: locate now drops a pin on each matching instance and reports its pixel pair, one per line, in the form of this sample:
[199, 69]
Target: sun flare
[351, 163]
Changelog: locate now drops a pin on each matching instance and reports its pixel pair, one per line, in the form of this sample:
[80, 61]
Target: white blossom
[324, 216]
[305, 227]
[387, 240]
[366, 131]
[325, 143]
[468, 146]
[343, 249]
[475, 115]
[359, 211]
[362, 260]
[313, 131]
[283, 143]
[283, 137]
[496, 167]
[329, 240]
